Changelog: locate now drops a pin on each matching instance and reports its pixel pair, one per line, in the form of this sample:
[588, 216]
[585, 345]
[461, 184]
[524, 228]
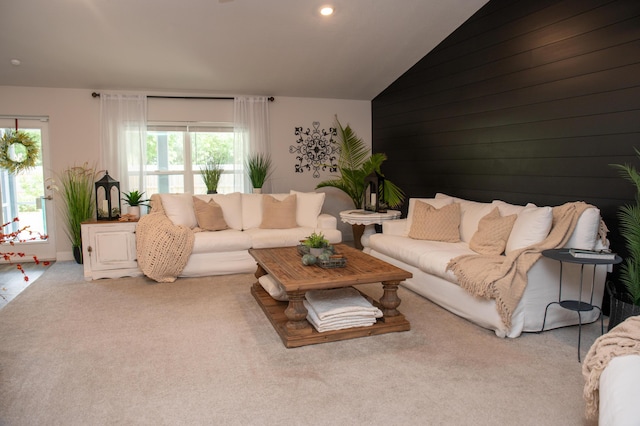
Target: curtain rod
[270, 98]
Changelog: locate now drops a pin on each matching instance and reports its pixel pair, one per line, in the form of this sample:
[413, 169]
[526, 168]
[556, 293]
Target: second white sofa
[175, 221]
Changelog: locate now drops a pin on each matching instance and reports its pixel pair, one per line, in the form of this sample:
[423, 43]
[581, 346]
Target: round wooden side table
[364, 221]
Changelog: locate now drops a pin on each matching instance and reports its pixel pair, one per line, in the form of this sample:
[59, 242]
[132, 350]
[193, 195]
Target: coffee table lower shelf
[274, 310]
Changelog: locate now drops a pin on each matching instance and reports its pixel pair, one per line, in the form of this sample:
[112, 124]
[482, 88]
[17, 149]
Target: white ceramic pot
[134, 210]
[257, 190]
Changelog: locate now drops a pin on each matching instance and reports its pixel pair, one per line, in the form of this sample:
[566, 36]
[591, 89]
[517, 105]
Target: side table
[364, 221]
[564, 256]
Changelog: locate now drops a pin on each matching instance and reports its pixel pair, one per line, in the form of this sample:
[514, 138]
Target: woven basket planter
[620, 309]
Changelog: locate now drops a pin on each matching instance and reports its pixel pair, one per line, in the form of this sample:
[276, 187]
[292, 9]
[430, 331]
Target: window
[177, 152]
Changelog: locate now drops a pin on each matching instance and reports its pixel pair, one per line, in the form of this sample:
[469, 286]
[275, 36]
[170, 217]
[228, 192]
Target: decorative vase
[620, 309]
[316, 251]
[77, 254]
[134, 210]
[257, 190]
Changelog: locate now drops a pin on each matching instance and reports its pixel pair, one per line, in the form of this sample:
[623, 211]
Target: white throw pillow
[470, 214]
[585, 235]
[179, 208]
[507, 209]
[532, 226]
[231, 205]
[437, 203]
[308, 208]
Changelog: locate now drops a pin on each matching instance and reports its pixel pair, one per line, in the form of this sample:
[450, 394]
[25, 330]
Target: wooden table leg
[390, 300]
[296, 313]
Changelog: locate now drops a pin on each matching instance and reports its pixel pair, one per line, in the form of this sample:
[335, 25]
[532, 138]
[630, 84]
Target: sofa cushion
[231, 205]
[209, 215]
[266, 238]
[585, 235]
[179, 208]
[531, 227]
[434, 224]
[437, 203]
[227, 240]
[493, 233]
[278, 214]
[308, 207]
[436, 256]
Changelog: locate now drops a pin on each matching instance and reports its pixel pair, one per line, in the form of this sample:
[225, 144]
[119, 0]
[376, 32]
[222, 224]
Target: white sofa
[226, 251]
[428, 260]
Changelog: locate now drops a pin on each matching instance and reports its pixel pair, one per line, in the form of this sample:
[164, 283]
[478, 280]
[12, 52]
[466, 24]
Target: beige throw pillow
[209, 215]
[278, 214]
[433, 224]
[493, 233]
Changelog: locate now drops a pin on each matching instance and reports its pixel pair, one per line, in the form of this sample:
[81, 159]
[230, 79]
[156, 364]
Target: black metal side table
[564, 256]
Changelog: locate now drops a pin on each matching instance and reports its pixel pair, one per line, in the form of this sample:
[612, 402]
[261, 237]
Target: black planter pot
[620, 307]
[213, 191]
[77, 254]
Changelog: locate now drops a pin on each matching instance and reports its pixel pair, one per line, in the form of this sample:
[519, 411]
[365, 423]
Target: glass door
[24, 194]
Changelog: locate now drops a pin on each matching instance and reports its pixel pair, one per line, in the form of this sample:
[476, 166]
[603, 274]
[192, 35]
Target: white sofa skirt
[542, 289]
[222, 263]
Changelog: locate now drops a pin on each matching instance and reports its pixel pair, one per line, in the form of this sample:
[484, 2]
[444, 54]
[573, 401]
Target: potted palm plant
[355, 163]
[258, 168]
[76, 188]
[211, 173]
[134, 200]
[625, 299]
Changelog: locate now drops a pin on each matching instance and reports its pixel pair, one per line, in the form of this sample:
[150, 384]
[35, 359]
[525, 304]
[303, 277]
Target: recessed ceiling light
[15, 62]
[326, 10]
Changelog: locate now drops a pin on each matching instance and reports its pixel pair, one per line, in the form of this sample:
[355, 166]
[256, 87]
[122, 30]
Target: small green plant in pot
[211, 173]
[258, 168]
[626, 302]
[134, 200]
[316, 243]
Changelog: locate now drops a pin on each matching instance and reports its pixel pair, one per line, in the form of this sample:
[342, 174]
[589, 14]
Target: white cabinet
[109, 250]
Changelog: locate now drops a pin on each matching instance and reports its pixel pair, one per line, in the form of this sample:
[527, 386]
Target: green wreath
[22, 159]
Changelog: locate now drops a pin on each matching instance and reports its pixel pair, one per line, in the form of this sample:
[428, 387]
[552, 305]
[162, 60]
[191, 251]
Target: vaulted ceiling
[226, 47]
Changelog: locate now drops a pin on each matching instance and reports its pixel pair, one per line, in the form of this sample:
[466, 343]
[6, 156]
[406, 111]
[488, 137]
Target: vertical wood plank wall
[528, 101]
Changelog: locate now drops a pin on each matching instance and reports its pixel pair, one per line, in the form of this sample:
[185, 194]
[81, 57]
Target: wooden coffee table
[284, 265]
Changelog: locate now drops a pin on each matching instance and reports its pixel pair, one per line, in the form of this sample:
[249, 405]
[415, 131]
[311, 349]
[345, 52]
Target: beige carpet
[201, 352]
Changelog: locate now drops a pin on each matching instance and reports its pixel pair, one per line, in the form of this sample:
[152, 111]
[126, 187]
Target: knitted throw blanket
[504, 278]
[624, 339]
[163, 248]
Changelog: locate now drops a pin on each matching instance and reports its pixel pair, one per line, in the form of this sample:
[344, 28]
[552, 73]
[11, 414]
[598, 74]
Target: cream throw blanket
[163, 248]
[504, 278]
[624, 339]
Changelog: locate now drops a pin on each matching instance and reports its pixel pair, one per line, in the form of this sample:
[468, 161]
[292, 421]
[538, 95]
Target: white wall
[74, 128]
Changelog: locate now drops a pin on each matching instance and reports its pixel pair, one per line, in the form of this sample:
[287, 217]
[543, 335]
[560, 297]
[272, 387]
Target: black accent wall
[528, 101]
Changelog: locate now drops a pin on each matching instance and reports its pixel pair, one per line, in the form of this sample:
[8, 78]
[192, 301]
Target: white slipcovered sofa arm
[327, 221]
[395, 227]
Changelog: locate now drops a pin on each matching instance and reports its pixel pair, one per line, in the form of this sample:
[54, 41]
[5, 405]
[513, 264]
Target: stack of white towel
[339, 308]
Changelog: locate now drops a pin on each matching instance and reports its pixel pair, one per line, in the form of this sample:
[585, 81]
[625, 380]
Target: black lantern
[373, 192]
[107, 198]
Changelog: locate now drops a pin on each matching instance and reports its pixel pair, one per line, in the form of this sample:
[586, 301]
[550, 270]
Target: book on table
[591, 254]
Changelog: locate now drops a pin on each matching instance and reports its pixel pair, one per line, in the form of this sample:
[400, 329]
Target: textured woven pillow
[493, 233]
[209, 215]
[434, 224]
[278, 214]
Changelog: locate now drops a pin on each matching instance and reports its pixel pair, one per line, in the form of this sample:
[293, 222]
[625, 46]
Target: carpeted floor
[201, 352]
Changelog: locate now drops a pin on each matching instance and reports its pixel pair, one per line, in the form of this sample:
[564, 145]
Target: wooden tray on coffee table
[289, 318]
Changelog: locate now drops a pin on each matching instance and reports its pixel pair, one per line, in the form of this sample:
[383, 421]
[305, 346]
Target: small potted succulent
[316, 243]
[134, 199]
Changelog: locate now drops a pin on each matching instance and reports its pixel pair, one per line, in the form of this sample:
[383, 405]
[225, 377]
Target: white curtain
[251, 135]
[123, 123]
